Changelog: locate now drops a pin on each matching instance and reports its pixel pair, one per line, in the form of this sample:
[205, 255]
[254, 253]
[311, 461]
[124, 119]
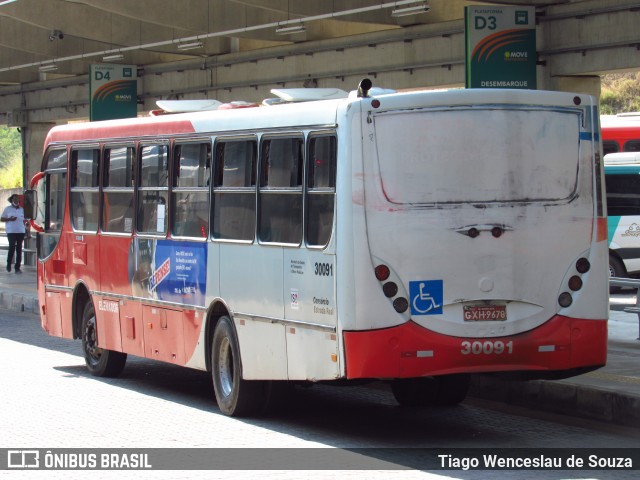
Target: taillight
[583, 265]
[382, 272]
[401, 304]
[565, 299]
[390, 288]
[575, 283]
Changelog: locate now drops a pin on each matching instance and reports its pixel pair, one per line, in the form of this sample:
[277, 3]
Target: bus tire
[616, 269]
[452, 389]
[415, 392]
[100, 362]
[445, 390]
[236, 397]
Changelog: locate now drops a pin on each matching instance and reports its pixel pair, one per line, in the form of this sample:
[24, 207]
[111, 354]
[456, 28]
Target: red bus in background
[620, 133]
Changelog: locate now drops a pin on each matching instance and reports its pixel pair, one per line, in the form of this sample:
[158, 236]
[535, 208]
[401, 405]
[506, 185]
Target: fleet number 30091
[487, 347]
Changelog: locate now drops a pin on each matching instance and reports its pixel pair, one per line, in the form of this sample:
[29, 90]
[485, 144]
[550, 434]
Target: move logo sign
[500, 47]
[113, 91]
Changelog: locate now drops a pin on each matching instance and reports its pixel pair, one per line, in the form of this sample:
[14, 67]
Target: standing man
[13, 216]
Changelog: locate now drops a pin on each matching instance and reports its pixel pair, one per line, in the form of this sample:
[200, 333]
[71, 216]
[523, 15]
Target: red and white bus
[620, 133]
[415, 238]
[621, 146]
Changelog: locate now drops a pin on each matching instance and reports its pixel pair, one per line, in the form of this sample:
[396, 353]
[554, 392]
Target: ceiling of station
[65, 37]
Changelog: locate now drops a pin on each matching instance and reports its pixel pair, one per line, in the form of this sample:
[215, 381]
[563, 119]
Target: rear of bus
[483, 235]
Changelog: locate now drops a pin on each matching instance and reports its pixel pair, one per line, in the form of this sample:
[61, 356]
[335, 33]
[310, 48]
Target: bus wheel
[415, 392]
[433, 391]
[235, 396]
[100, 362]
[616, 269]
[452, 389]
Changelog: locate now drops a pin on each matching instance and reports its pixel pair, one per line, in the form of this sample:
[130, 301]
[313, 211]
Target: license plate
[483, 313]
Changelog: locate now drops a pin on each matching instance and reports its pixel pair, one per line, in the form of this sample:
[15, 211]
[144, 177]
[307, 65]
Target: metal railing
[630, 283]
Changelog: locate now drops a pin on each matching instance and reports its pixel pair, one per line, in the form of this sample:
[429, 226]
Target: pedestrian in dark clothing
[13, 216]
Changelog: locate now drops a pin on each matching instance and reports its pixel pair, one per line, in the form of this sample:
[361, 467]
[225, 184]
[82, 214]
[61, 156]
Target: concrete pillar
[589, 84]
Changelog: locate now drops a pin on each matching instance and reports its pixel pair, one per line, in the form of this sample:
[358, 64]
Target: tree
[620, 93]
[10, 158]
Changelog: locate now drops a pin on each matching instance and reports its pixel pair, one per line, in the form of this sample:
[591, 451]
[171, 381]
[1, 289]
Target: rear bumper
[409, 350]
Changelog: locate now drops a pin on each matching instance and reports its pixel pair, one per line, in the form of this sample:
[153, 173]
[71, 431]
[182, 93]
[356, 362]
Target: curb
[561, 397]
[18, 302]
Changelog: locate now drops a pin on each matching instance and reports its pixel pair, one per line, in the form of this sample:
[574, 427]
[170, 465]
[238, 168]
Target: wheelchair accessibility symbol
[426, 297]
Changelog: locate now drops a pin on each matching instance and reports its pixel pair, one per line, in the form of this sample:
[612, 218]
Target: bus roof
[622, 158]
[298, 115]
[232, 120]
[631, 120]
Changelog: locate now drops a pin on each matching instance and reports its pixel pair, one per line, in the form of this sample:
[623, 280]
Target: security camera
[56, 34]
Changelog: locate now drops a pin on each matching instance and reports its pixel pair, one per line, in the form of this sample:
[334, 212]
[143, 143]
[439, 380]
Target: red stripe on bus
[602, 234]
[119, 129]
[410, 350]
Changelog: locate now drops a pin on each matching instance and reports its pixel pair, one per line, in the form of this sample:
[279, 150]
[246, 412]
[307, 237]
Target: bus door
[117, 248]
[84, 215]
[310, 296]
[52, 245]
[250, 273]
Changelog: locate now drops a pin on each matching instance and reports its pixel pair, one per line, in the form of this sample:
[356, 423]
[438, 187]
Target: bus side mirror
[31, 205]
[30, 202]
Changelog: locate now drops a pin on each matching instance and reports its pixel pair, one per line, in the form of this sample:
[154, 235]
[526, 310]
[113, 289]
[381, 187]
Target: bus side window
[117, 188]
[623, 194]
[610, 146]
[234, 190]
[632, 146]
[153, 190]
[84, 189]
[190, 195]
[281, 191]
[321, 189]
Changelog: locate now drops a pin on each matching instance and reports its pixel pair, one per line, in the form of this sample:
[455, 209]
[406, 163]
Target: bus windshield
[430, 163]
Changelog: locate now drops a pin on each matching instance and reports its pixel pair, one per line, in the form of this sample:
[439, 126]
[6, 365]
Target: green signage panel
[500, 47]
[113, 90]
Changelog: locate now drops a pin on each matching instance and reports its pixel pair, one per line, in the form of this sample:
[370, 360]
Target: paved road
[49, 401]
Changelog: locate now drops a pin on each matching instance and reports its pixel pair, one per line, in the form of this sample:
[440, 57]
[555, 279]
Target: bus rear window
[454, 156]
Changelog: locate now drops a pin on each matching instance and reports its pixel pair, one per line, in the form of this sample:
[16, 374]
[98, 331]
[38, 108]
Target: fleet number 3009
[496, 347]
[324, 269]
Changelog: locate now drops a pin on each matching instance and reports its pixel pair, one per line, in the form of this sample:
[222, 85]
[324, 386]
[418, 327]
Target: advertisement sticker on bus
[169, 270]
[186, 277]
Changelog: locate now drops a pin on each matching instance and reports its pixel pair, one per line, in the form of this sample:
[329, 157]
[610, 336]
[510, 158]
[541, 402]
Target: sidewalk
[18, 292]
[610, 394]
